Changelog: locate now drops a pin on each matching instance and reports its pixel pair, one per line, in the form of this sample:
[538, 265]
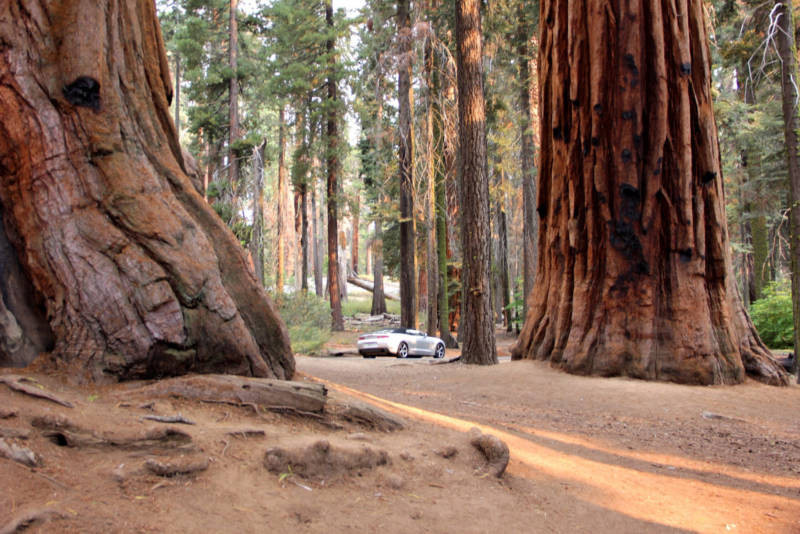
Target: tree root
[495, 451]
[19, 383]
[169, 419]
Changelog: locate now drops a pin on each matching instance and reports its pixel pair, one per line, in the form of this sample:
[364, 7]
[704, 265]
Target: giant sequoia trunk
[634, 274]
[138, 276]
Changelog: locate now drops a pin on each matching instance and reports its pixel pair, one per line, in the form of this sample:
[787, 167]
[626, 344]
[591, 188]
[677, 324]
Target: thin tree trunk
[337, 321]
[529, 217]
[789, 80]
[178, 94]
[478, 327]
[281, 204]
[138, 276]
[408, 281]
[502, 258]
[318, 289]
[635, 276]
[233, 95]
[304, 235]
[430, 212]
[354, 243]
[257, 240]
[378, 296]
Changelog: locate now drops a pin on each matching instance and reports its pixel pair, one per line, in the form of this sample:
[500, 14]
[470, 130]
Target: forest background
[268, 94]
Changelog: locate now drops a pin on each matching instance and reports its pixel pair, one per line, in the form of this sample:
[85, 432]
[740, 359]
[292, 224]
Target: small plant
[772, 315]
[516, 304]
[308, 319]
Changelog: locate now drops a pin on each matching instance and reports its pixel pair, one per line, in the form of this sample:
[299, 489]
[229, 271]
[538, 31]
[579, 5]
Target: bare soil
[587, 455]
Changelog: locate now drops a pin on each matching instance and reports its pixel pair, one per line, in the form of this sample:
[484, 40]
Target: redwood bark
[138, 276]
[634, 275]
[408, 281]
[478, 324]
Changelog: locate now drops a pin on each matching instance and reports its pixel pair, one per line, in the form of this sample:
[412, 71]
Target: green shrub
[772, 315]
[308, 319]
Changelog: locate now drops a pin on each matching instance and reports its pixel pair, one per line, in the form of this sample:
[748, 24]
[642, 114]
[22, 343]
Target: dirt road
[610, 454]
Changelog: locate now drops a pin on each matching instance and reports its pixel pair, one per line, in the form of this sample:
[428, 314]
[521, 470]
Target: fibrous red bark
[137, 274]
[634, 274]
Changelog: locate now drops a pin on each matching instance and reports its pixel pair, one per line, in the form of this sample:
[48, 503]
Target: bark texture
[138, 276]
[634, 275]
[478, 324]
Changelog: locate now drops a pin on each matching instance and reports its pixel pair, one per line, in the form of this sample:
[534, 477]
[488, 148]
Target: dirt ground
[587, 455]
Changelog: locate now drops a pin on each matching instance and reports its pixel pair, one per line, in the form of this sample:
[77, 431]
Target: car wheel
[439, 351]
[402, 350]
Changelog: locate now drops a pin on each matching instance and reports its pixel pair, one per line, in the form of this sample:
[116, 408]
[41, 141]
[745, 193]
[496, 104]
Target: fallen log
[176, 466]
[363, 284]
[280, 395]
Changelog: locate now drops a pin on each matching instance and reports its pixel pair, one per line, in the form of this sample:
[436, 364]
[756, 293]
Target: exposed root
[495, 451]
[21, 384]
[28, 519]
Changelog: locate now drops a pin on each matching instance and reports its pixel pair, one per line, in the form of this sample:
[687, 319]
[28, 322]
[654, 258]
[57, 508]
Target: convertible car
[400, 342]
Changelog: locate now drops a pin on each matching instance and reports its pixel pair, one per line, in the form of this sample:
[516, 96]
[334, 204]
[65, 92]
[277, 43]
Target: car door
[426, 345]
[415, 342]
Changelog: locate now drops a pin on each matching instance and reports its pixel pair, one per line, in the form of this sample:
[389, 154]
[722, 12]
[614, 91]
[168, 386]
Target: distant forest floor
[587, 454]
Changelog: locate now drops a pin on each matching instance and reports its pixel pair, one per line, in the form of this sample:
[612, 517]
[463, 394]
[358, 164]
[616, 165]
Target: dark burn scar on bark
[598, 108]
[686, 69]
[626, 155]
[631, 199]
[575, 103]
[627, 115]
[637, 140]
[623, 238]
[541, 209]
[557, 133]
[685, 255]
[630, 62]
[84, 92]
[587, 147]
[595, 141]
[708, 177]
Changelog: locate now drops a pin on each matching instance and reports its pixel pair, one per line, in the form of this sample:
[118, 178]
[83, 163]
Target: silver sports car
[402, 342]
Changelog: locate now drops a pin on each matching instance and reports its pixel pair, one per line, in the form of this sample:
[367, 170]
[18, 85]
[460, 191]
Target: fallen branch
[18, 454]
[178, 466]
[169, 419]
[20, 384]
